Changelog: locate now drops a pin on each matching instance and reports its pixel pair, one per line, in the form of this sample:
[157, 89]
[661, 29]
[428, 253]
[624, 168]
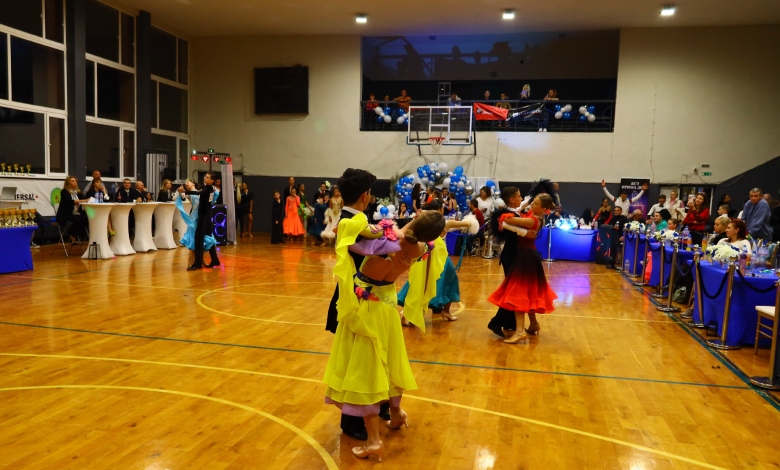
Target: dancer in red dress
[525, 288]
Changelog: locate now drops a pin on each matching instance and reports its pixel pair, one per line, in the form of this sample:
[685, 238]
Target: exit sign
[706, 173]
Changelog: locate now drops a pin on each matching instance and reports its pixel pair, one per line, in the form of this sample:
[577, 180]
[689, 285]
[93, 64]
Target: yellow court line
[115, 284]
[414, 397]
[272, 261]
[329, 462]
[554, 315]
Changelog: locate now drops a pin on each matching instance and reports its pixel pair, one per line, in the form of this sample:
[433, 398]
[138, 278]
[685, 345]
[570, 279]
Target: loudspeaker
[219, 219]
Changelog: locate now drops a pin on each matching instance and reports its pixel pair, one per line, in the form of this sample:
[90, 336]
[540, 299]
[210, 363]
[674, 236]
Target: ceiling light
[668, 11]
[361, 19]
[508, 15]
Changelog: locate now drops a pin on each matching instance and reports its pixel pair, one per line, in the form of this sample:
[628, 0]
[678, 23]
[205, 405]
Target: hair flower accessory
[365, 294]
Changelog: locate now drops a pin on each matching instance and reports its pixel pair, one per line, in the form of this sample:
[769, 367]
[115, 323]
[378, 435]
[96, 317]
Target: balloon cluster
[438, 174]
[385, 115]
[586, 112]
[383, 212]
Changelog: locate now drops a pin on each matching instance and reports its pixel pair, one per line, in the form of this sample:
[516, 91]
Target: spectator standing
[697, 218]
[485, 201]
[244, 198]
[604, 212]
[322, 191]
[676, 207]
[657, 207]
[95, 176]
[486, 95]
[623, 202]
[454, 100]
[525, 94]
[756, 215]
[552, 95]
[774, 221]
[290, 185]
[277, 219]
[403, 101]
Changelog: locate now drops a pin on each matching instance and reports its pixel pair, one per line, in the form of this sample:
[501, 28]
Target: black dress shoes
[194, 268]
[354, 427]
[384, 411]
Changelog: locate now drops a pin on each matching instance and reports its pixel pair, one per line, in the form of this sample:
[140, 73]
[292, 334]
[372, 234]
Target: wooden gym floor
[137, 363]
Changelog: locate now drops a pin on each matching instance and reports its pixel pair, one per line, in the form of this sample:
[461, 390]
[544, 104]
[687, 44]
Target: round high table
[179, 224]
[98, 228]
[143, 226]
[120, 243]
[163, 216]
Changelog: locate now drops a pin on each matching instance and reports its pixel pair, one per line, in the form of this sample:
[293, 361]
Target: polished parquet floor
[135, 363]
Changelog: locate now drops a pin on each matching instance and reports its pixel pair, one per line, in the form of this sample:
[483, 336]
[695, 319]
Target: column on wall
[75, 41]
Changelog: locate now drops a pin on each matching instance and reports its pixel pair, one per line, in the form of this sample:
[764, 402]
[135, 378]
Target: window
[164, 54]
[55, 28]
[103, 149]
[128, 153]
[173, 109]
[90, 88]
[183, 64]
[115, 94]
[3, 66]
[37, 74]
[128, 40]
[24, 15]
[57, 145]
[23, 134]
[102, 30]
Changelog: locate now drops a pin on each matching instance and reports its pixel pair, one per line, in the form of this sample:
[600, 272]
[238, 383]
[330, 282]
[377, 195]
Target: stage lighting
[205, 158]
[508, 15]
[194, 157]
[668, 11]
[228, 160]
[361, 19]
[216, 159]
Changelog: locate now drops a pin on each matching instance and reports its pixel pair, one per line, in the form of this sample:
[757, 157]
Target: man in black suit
[355, 187]
[205, 225]
[127, 193]
[618, 222]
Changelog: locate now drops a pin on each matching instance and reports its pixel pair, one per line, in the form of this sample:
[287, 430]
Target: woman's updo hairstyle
[546, 200]
[426, 227]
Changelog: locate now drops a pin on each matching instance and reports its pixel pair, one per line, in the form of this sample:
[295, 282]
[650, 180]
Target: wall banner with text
[633, 186]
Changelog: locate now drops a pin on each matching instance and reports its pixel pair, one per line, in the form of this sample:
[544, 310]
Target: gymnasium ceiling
[406, 17]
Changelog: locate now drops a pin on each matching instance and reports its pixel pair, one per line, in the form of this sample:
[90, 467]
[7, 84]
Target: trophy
[29, 167]
[16, 168]
[2, 218]
[2, 166]
[32, 218]
[26, 217]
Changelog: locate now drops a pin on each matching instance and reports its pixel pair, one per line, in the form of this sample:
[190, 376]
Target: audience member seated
[97, 187]
[485, 201]
[636, 216]
[604, 212]
[673, 224]
[141, 190]
[660, 219]
[586, 220]
[486, 95]
[70, 210]
[95, 176]
[719, 228]
[697, 218]
[525, 94]
[403, 101]
[372, 103]
[166, 193]
[552, 95]
[618, 222]
[756, 215]
[454, 100]
[736, 234]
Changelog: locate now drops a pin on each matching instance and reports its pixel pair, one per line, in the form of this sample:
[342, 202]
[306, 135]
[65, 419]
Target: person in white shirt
[676, 207]
[485, 201]
[736, 234]
[657, 207]
[88, 188]
[623, 202]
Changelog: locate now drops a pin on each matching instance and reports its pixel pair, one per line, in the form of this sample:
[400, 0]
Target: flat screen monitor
[282, 90]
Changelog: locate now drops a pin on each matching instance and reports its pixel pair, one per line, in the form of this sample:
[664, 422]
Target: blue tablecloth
[451, 241]
[15, 244]
[742, 316]
[631, 243]
[569, 245]
[682, 262]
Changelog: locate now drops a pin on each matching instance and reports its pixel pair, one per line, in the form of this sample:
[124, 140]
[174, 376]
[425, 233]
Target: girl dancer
[525, 288]
[191, 219]
[368, 364]
[293, 227]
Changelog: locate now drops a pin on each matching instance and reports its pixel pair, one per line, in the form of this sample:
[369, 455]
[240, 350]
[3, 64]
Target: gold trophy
[16, 168]
[2, 165]
[32, 218]
[29, 167]
[2, 218]
[27, 222]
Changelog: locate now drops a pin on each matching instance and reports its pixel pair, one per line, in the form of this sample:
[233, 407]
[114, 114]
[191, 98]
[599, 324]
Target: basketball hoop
[436, 143]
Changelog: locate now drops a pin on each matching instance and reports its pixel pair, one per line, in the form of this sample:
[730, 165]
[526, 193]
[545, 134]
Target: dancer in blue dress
[191, 219]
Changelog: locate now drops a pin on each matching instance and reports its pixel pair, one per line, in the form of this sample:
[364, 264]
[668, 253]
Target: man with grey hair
[756, 215]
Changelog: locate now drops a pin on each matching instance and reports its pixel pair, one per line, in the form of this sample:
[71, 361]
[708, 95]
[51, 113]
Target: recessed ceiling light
[668, 11]
[508, 15]
[361, 19]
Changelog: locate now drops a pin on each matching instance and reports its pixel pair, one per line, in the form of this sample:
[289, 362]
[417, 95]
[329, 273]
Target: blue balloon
[591, 109]
[383, 210]
[557, 107]
[583, 118]
[458, 170]
[408, 200]
[426, 168]
[567, 115]
[388, 110]
[490, 184]
[380, 119]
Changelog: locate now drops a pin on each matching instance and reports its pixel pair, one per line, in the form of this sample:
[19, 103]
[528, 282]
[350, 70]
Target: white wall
[685, 97]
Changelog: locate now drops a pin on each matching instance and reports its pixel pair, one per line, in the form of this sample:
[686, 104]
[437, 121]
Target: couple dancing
[199, 235]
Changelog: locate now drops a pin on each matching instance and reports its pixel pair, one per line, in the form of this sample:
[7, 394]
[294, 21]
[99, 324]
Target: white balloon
[587, 114]
[443, 167]
[379, 111]
[424, 180]
[446, 182]
[461, 184]
[558, 115]
[591, 118]
[567, 108]
[400, 119]
[434, 166]
[391, 208]
[408, 186]
[387, 118]
[377, 216]
[583, 110]
[498, 203]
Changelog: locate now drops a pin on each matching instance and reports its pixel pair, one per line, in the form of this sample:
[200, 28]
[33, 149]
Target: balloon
[557, 107]
[377, 215]
[592, 117]
[408, 186]
[383, 210]
[587, 114]
[490, 184]
[567, 115]
[583, 110]
[446, 182]
[558, 115]
[469, 190]
[387, 118]
[583, 118]
[461, 184]
[434, 166]
[567, 108]
[443, 167]
[400, 120]
[379, 111]
[408, 201]
[380, 118]
[391, 208]
[401, 111]
[388, 110]
[591, 109]
[459, 170]
[424, 180]
[498, 203]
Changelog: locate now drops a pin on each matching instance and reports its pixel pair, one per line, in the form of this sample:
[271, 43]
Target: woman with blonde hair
[166, 193]
[70, 210]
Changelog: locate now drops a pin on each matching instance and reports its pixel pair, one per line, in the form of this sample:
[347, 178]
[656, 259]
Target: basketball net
[436, 143]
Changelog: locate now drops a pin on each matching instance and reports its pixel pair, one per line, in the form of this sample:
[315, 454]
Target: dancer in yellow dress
[368, 364]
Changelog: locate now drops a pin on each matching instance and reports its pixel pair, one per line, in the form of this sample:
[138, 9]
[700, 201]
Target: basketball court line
[417, 361]
[329, 462]
[302, 434]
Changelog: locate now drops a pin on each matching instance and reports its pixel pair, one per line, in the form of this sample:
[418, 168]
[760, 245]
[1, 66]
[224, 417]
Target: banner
[485, 112]
[38, 194]
[632, 187]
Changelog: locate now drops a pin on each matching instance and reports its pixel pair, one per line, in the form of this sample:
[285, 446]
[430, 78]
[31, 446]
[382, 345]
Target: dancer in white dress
[332, 216]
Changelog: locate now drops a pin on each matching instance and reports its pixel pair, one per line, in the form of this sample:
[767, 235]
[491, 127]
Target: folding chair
[64, 233]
